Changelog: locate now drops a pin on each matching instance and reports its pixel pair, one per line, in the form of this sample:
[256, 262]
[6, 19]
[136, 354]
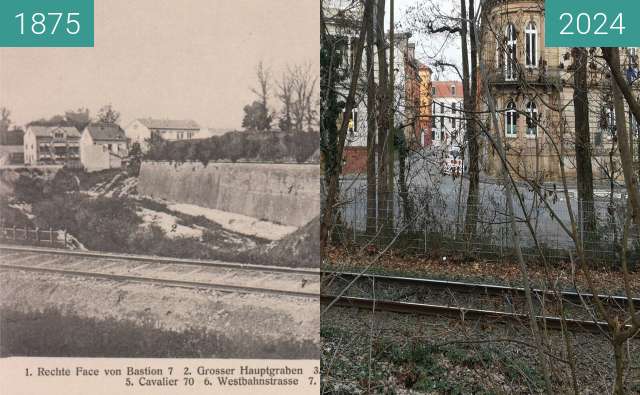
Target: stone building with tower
[533, 89]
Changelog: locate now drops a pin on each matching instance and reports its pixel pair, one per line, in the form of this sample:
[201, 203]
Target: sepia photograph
[160, 191]
[481, 210]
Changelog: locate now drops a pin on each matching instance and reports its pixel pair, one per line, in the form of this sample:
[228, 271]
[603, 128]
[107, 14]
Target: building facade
[343, 19]
[11, 147]
[533, 88]
[425, 109]
[103, 146]
[447, 119]
[51, 145]
[142, 129]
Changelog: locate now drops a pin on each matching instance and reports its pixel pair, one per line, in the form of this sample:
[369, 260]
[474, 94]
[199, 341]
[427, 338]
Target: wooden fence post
[37, 235]
[50, 236]
[14, 233]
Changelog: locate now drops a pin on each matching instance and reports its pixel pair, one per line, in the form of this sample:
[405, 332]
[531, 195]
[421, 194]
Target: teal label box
[46, 23]
[592, 23]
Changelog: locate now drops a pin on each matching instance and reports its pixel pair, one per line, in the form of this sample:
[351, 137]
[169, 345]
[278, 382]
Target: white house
[102, 146]
[141, 130]
[51, 144]
[447, 113]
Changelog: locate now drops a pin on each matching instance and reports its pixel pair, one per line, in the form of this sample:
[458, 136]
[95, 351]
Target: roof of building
[187, 124]
[443, 89]
[11, 137]
[45, 131]
[101, 131]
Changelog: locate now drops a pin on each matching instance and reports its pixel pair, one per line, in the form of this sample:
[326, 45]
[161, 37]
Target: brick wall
[356, 160]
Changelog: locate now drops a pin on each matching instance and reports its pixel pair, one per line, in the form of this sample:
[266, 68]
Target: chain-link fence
[424, 223]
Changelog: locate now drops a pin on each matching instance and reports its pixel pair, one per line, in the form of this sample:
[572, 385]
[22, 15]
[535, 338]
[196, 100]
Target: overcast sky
[164, 58]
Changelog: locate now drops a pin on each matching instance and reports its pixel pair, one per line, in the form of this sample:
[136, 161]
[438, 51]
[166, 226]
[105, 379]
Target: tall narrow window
[453, 115]
[511, 59]
[611, 122]
[510, 128]
[531, 44]
[453, 90]
[532, 119]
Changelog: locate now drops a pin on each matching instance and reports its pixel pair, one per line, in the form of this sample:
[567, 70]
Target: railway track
[194, 274]
[461, 313]
[465, 313]
[483, 289]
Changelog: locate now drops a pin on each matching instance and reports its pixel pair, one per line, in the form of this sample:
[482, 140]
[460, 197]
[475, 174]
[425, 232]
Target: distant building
[343, 24]
[51, 145]
[447, 121]
[103, 146]
[141, 130]
[11, 147]
[426, 99]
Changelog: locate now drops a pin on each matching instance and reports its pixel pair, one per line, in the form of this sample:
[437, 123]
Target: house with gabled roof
[142, 129]
[51, 145]
[103, 146]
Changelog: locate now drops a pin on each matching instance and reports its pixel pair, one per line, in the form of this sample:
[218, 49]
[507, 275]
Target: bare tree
[584, 173]
[108, 114]
[5, 120]
[332, 180]
[303, 89]
[264, 85]
[285, 95]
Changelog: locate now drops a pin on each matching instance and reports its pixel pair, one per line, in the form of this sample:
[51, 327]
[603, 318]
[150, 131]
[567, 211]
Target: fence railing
[424, 223]
[25, 235]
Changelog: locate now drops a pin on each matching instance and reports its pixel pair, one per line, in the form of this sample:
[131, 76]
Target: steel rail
[462, 313]
[158, 259]
[160, 281]
[487, 289]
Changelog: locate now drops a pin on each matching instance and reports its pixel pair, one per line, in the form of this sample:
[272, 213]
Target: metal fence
[35, 236]
[424, 223]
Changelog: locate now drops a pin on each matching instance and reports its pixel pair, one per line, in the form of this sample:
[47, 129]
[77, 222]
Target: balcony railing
[535, 76]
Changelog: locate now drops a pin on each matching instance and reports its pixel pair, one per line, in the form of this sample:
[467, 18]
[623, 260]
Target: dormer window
[58, 135]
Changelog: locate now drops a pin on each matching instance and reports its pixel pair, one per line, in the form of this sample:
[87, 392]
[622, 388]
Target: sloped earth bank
[389, 353]
[52, 315]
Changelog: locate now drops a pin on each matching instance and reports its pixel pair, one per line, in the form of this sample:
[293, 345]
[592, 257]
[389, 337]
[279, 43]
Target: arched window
[531, 44]
[510, 128]
[511, 59]
[532, 119]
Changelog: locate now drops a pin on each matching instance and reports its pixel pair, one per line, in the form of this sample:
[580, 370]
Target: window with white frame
[532, 119]
[510, 117]
[531, 45]
[511, 59]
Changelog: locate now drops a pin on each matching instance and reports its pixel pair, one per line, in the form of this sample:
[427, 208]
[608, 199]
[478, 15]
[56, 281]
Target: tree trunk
[620, 86]
[334, 175]
[471, 137]
[371, 135]
[407, 206]
[584, 173]
[391, 133]
[383, 124]
[508, 191]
